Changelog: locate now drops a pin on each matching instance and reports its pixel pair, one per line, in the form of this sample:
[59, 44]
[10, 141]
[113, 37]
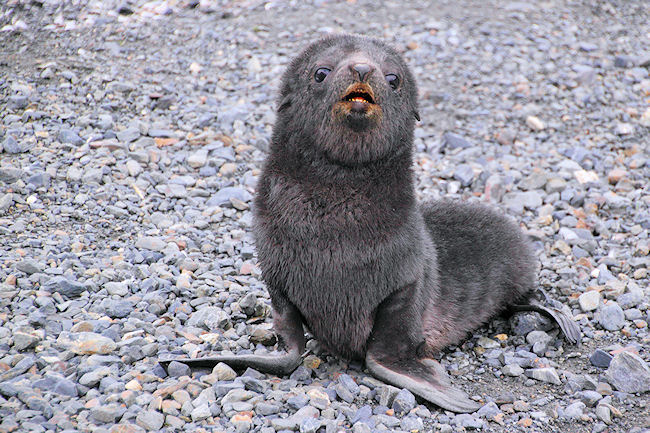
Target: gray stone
[198, 158]
[178, 369]
[6, 201]
[629, 373]
[513, 370]
[30, 266]
[573, 411]
[589, 398]
[224, 195]
[468, 421]
[17, 102]
[387, 394]
[67, 288]
[403, 402]
[611, 316]
[150, 420]
[200, 412]
[10, 145]
[68, 136]
[23, 341]
[210, 318]
[411, 424]
[107, 414]
[589, 300]
[454, 141]
[600, 358]
[116, 288]
[150, 243]
[545, 374]
[464, 174]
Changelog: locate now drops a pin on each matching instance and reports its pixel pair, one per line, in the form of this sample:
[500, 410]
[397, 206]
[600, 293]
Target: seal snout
[361, 70]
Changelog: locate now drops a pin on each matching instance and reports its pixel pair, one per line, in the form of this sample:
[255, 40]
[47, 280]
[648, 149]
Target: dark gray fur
[346, 250]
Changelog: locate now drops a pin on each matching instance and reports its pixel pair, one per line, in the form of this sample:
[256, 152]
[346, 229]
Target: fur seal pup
[343, 245]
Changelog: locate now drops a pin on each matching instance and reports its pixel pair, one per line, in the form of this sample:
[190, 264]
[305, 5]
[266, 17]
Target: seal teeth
[359, 97]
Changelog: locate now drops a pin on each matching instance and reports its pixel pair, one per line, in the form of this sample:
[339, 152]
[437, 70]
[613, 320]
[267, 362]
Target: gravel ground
[131, 137]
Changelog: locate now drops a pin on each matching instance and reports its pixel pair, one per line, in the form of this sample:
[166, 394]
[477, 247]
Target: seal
[346, 250]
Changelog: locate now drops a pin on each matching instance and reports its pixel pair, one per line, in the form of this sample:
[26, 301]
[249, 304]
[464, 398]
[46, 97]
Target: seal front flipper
[425, 378]
[555, 311]
[288, 325]
[395, 348]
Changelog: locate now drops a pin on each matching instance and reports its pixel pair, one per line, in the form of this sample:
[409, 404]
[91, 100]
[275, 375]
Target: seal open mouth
[360, 97]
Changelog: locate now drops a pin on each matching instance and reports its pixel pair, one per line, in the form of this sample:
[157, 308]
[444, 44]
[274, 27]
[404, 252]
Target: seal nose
[362, 70]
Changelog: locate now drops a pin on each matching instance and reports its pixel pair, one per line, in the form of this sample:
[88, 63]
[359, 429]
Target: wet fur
[340, 235]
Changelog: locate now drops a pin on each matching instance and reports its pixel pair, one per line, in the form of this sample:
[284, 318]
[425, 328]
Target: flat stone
[611, 316]
[589, 300]
[600, 358]
[546, 374]
[30, 266]
[150, 420]
[403, 402]
[629, 373]
[151, 243]
[224, 195]
[68, 136]
[454, 141]
[513, 370]
[88, 343]
[64, 286]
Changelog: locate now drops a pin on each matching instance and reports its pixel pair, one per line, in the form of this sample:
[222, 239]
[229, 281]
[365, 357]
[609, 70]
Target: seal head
[344, 97]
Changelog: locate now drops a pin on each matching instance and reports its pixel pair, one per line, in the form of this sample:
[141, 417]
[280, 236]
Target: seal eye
[320, 74]
[393, 81]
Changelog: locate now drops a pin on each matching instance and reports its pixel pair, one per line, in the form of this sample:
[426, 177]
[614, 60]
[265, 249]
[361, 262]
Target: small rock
[573, 411]
[611, 316]
[150, 419]
[68, 136]
[513, 370]
[224, 372]
[403, 402]
[198, 158]
[30, 266]
[178, 369]
[546, 374]
[629, 373]
[454, 141]
[589, 300]
[151, 243]
[535, 123]
[600, 358]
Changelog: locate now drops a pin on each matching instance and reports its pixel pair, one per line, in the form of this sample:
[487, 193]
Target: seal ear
[416, 115]
[284, 103]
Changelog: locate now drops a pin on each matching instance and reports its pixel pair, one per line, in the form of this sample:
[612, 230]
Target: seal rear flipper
[554, 310]
[425, 378]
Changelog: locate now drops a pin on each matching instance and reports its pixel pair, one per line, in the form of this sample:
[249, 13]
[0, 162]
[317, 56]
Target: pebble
[611, 316]
[628, 372]
[600, 358]
[589, 300]
[545, 374]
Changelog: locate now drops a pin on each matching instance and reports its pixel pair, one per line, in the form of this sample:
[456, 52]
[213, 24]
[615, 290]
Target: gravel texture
[131, 138]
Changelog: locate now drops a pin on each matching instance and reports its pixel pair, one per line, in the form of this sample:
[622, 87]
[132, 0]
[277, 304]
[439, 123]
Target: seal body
[338, 229]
